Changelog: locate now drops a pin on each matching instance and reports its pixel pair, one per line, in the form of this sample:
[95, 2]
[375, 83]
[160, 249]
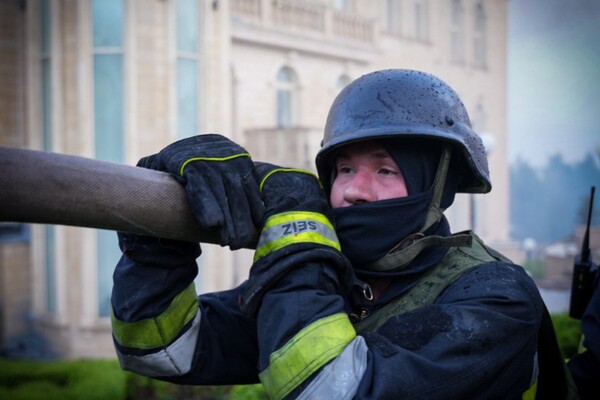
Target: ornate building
[119, 79]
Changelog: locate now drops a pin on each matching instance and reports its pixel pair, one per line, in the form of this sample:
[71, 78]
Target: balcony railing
[298, 14]
[306, 16]
[351, 26]
[248, 8]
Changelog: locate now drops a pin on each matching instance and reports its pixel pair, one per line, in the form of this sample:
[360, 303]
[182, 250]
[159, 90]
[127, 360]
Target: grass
[101, 380]
[86, 379]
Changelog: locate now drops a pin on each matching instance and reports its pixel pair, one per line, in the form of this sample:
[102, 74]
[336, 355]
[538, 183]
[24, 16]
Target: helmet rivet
[449, 120]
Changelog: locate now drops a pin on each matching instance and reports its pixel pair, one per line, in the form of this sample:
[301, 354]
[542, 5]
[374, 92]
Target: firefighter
[358, 288]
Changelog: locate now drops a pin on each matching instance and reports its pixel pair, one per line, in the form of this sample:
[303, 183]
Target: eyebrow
[377, 154]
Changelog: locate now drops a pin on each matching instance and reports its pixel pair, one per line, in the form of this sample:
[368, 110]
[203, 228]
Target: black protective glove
[296, 230]
[218, 176]
[290, 189]
[158, 252]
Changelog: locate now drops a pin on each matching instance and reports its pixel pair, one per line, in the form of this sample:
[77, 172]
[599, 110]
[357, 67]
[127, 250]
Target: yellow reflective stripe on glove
[190, 160]
[289, 170]
[292, 227]
[310, 349]
[157, 332]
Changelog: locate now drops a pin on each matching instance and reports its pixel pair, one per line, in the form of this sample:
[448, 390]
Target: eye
[343, 169]
[387, 171]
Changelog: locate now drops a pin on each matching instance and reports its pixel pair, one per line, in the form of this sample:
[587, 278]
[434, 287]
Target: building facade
[119, 79]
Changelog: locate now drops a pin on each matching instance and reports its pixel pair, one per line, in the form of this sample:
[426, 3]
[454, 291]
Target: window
[457, 35]
[286, 97]
[47, 142]
[478, 121]
[45, 41]
[187, 68]
[480, 37]
[421, 19]
[342, 5]
[11, 232]
[392, 16]
[108, 37]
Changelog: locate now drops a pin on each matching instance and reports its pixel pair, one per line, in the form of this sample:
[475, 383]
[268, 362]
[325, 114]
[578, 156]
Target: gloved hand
[158, 252]
[285, 189]
[296, 196]
[218, 176]
[296, 230]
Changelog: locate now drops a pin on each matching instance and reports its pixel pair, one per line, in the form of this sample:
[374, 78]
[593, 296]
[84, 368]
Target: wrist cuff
[284, 229]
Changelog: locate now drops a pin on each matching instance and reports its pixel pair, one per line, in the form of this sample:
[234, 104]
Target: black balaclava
[420, 160]
[368, 231]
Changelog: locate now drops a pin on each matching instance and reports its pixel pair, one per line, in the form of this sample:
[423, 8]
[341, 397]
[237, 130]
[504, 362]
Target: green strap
[457, 261]
[401, 258]
[305, 353]
[158, 332]
[435, 212]
[284, 229]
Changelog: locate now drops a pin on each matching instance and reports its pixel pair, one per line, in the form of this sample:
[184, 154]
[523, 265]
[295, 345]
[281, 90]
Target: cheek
[400, 187]
[336, 197]
[400, 191]
[393, 190]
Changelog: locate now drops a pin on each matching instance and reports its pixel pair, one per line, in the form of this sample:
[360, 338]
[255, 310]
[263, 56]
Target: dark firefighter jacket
[477, 340]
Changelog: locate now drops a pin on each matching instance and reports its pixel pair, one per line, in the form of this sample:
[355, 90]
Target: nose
[360, 189]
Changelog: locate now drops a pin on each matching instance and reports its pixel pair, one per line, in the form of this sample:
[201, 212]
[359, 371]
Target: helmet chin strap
[435, 212]
[406, 251]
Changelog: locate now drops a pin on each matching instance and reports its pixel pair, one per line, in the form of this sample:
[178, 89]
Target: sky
[553, 80]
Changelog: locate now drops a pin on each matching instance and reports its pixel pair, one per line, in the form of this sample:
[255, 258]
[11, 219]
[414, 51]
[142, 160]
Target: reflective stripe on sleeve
[174, 360]
[340, 378]
[530, 393]
[160, 331]
[287, 228]
[310, 349]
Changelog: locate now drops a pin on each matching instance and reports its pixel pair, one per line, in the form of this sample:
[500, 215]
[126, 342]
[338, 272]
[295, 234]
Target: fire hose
[52, 188]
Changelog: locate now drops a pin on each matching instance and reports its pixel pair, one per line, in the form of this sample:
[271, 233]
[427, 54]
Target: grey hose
[52, 188]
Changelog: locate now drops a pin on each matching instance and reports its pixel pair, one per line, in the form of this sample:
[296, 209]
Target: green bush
[101, 380]
[141, 387]
[535, 268]
[65, 380]
[568, 332]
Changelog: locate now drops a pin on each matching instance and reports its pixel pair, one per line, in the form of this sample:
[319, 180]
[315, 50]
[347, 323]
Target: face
[365, 172]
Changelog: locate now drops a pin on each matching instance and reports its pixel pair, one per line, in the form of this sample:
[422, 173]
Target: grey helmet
[399, 103]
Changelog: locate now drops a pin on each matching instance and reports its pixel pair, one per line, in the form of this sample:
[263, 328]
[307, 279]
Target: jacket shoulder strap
[457, 261]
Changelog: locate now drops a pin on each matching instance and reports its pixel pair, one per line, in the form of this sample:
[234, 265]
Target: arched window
[457, 35]
[480, 37]
[342, 5]
[287, 87]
